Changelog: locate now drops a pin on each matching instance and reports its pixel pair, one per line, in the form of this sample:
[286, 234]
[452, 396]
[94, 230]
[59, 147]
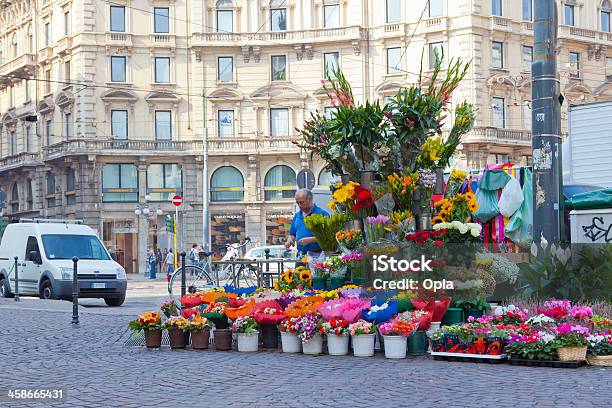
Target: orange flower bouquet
[214, 296]
[234, 313]
[191, 300]
[147, 321]
[303, 306]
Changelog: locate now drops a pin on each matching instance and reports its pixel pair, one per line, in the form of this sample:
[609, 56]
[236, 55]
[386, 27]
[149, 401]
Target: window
[48, 130]
[279, 68]
[526, 160]
[118, 69]
[67, 23]
[119, 124]
[278, 18]
[394, 56]
[605, 21]
[436, 8]
[226, 123]
[496, 6]
[119, 183]
[164, 181]
[528, 10]
[327, 179]
[225, 69]
[48, 82]
[329, 112]
[499, 113]
[497, 55]
[163, 125]
[161, 23]
[30, 40]
[30, 197]
[68, 125]
[162, 69]
[47, 34]
[498, 158]
[394, 11]
[331, 63]
[117, 19]
[13, 144]
[15, 46]
[31, 246]
[70, 187]
[67, 71]
[568, 14]
[279, 122]
[280, 183]
[29, 139]
[331, 14]
[609, 69]
[436, 54]
[15, 198]
[527, 57]
[574, 64]
[50, 189]
[227, 184]
[225, 21]
[63, 246]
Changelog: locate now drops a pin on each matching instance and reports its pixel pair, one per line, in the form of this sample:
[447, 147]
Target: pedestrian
[151, 260]
[169, 263]
[158, 258]
[193, 254]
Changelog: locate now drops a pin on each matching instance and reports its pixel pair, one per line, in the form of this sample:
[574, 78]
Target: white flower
[499, 311]
[441, 225]
[540, 319]
[546, 337]
[534, 249]
[459, 226]
[376, 308]
[475, 232]
[511, 308]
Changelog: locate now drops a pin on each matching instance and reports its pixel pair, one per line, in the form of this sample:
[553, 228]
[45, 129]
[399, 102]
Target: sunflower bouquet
[457, 208]
[298, 278]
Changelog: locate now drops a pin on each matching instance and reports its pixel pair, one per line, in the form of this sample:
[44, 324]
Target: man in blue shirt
[306, 242]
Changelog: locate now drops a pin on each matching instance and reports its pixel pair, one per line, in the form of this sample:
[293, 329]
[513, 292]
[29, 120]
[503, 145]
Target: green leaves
[325, 228]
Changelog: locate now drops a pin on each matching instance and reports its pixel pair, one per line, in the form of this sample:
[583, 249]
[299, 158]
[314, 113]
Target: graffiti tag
[597, 230]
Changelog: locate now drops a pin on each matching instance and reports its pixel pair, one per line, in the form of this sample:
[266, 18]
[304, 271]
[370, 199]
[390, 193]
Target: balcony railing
[498, 135]
[16, 65]
[583, 34]
[268, 145]
[322, 34]
[20, 160]
[501, 23]
[165, 40]
[119, 38]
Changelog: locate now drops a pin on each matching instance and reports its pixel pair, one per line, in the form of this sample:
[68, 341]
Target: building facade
[104, 105]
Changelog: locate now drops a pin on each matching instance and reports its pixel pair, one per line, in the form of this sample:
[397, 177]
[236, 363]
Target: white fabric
[511, 198]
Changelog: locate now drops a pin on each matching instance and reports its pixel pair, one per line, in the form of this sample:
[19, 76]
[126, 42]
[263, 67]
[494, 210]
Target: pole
[205, 188]
[75, 292]
[16, 280]
[175, 232]
[183, 284]
[546, 126]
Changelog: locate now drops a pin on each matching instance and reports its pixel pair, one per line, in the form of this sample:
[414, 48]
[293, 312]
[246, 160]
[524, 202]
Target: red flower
[438, 243]
[362, 194]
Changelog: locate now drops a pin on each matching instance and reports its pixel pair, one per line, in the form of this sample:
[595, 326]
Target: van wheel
[115, 301]
[5, 290]
[46, 290]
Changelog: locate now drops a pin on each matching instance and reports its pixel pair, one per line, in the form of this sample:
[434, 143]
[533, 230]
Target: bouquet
[457, 208]
[338, 327]
[308, 325]
[402, 223]
[348, 292]
[298, 278]
[214, 311]
[169, 308]
[289, 325]
[325, 228]
[352, 308]
[198, 323]
[376, 228]
[191, 300]
[268, 312]
[352, 200]
[350, 240]
[437, 308]
[147, 321]
[455, 181]
[234, 313]
[421, 319]
[402, 187]
[458, 232]
[361, 327]
[332, 309]
[245, 325]
[381, 312]
[397, 327]
[189, 313]
[239, 291]
[304, 306]
[176, 323]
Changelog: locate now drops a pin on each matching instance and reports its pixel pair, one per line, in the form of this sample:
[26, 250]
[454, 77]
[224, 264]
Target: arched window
[30, 196]
[227, 184]
[30, 40]
[15, 199]
[225, 3]
[327, 179]
[15, 46]
[280, 183]
[225, 16]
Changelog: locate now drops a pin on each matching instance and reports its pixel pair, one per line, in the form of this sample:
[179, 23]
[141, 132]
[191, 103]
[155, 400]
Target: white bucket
[314, 345]
[363, 345]
[337, 345]
[248, 342]
[395, 346]
[291, 343]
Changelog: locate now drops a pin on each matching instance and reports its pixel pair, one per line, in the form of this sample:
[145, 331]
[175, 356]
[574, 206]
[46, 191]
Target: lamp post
[142, 251]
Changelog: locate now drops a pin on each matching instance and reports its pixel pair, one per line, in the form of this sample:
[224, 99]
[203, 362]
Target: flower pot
[363, 345]
[221, 323]
[318, 283]
[248, 342]
[270, 336]
[153, 338]
[313, 346]
[336, 283]
[417, 343]
[223, 339]
[572, 353]
[395, 346]
[177, 339]
[199, 339]
[602, 361]
[476, 313]
[291, 343]
[452, 316]
[337, 345]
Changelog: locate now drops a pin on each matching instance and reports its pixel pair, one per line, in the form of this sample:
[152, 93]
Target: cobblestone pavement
[41, 349]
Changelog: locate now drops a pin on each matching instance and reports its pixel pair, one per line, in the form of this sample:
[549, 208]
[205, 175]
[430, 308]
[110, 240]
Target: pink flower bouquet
[332, 309]
[352, 308]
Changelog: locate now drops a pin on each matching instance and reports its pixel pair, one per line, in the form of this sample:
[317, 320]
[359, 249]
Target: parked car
[570, 190]
[277, 252]
[45, 249]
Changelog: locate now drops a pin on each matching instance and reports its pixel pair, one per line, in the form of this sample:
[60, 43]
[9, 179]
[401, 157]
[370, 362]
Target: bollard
[16, 280]
[267, 274]
[183, 284]
[75, 293]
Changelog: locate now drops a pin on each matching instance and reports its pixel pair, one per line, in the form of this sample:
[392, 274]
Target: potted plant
[308, 331]
[363, 334]
[248, 334]
[337, 336]
[353, 263]
[222, 335]
[169, 308]
[268, 314]
[571, 342]
[290, 340]
[599, 352]
[395, 336]
[199, 328]
[150, 323]
[177, 326]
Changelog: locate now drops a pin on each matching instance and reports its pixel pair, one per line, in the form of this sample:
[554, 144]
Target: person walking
[169, 263]
[158, 258]
[152, 261]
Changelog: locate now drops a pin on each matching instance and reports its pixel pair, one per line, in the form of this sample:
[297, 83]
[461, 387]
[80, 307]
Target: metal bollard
[183, 283]
[75, 292]
[267, 282]
[16, 280]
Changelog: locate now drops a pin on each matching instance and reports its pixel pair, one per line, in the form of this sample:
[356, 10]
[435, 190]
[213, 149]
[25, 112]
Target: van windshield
[60, 246]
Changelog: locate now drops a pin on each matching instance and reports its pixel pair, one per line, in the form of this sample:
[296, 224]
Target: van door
[30, 273]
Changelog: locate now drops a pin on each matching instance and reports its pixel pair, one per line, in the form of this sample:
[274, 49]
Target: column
[143, 224]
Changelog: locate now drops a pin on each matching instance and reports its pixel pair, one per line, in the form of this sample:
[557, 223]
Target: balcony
[162, 40]
[216, 146]
[501, 23]
[21, 66]
[119, 39]
[435, 24]
[63, 45]
[277, 37]
[527, 27]
[498, 136]
[20, 160]
[45, 54]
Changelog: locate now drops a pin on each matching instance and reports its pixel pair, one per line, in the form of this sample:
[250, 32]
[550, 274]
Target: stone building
[103, 104]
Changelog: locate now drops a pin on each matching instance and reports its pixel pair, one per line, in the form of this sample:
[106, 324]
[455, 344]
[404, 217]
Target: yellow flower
[332, 205]
[341, 195]
[473, 206]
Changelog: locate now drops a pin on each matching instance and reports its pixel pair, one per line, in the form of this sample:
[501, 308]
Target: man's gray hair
[305, 191]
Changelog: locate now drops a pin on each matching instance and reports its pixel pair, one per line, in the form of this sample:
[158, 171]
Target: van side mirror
[35, 257]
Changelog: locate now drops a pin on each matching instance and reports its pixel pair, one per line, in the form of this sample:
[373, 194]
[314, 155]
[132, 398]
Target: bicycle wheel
[243, 275]
[196, 280]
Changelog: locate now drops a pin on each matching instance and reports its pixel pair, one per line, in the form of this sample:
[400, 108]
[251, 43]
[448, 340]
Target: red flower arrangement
[335, 326]
[363, 199]
[423, 237]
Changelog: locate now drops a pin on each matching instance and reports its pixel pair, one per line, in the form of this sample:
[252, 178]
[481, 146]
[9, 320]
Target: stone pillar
[143, 224]
[255, 224]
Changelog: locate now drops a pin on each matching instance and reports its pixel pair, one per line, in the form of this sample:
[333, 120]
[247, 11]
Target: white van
[45, 249]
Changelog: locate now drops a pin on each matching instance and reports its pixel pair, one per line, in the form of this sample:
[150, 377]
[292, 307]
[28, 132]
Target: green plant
[325, 229]
[245, 325]
[538, 350]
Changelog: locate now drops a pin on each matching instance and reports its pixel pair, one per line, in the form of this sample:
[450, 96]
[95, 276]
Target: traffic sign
[177, 200]
[306, 179]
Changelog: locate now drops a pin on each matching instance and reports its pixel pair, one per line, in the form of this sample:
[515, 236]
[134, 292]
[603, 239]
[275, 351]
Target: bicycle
[197, 278]
[231, 274]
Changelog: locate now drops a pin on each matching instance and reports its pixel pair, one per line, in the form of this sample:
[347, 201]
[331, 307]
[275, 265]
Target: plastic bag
[511, 198]
[385, 204]
[520, 226]
[487, 205]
